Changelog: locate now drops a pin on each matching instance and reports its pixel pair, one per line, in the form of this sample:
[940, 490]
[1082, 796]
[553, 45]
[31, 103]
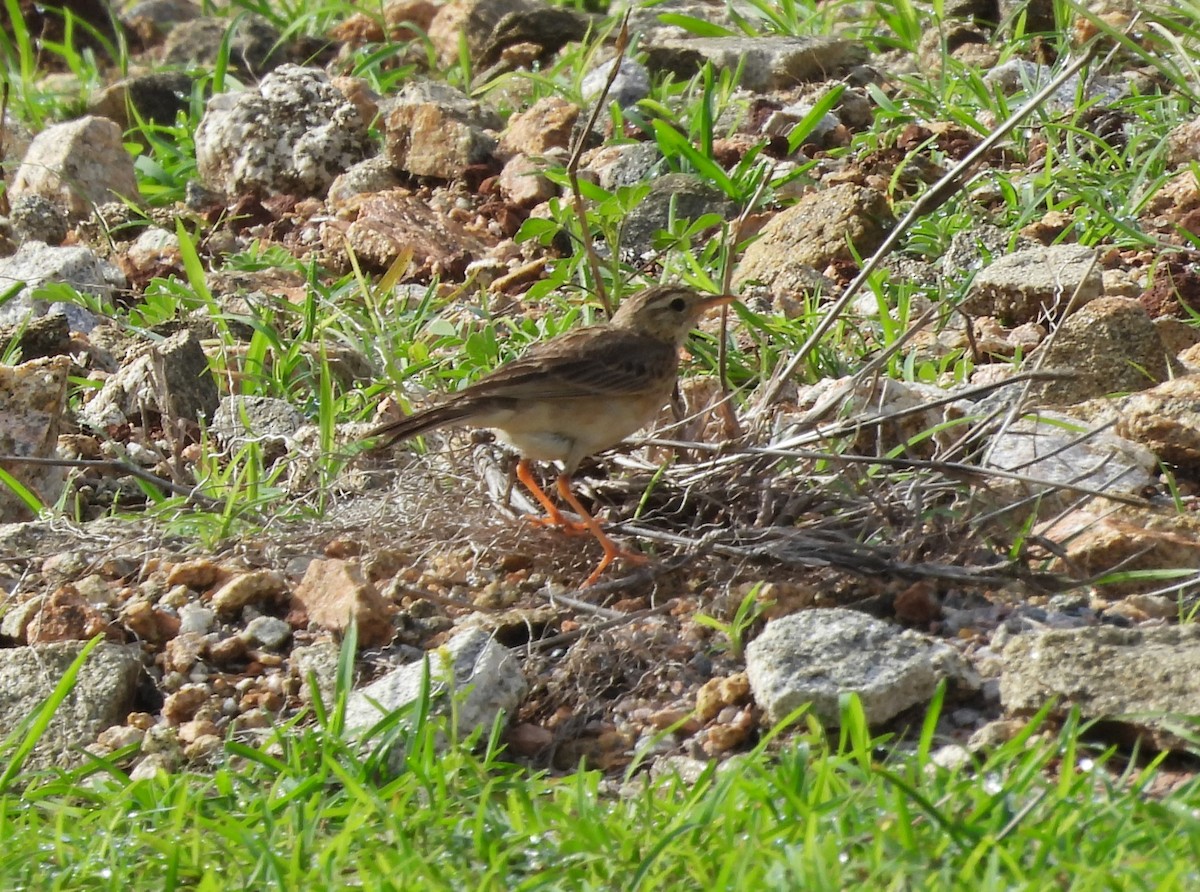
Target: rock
[370, 176]
[764, 63]
[155, 97]
[833, 400]
[255, 47]
[1054, 449]
[816, 656]
[35, 218]
[484, 676]
[523, 184]
[292, 135]
[176, 370]
[1138, 678]
[197, 573]
[38, 264]
[402, 20]
[544, 126]
[268, 631]
[259, 419]
[196, 618]
[152, 20]
[1099, 539]
[33, 397]
[42, 337]
[1036, 284]
[102, 696]
[183, 705]
[814, 233]
[77, 165]
[319, 660]
[254, 587]
[1109, 346]
[491, 26]
[1166, 420]
[154, 252]
[630, 86]
[433, 130]
[391, 223]
[65, 616]
[1024, 76]
[626, 164]
[335, 593]
[678, 196]
[717, 693]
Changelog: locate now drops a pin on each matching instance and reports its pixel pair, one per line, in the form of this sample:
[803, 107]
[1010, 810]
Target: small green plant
[749, 611]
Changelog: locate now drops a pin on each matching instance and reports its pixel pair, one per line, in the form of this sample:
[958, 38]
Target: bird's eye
[678, 305]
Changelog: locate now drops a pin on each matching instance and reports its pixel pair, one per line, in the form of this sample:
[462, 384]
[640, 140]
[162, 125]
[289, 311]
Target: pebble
[268, 631]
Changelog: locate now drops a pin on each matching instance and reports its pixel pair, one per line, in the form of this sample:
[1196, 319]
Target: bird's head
[666, 312]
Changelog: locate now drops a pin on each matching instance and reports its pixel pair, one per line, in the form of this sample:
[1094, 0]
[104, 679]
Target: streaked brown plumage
[577, 394]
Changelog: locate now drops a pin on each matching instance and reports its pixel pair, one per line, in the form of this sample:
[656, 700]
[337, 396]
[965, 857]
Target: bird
[577, 394]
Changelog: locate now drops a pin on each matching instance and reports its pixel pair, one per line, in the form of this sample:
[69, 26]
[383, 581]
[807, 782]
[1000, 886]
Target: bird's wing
[587, 362]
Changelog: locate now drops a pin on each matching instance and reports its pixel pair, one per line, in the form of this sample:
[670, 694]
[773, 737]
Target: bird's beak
[716, 300]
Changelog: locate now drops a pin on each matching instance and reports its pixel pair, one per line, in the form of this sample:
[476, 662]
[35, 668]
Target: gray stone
[175, 372]
[1022, 75]
[490, 26]
[1109, 346]
[1140, 678]
[268, 631]
[1056, 449]
[321, 661]
[196, 618]
[255, 46]
[37, 264]
[155, 97]
[681, 196]
[33, 396]
[102, 695]
[1036, 284]
[77, 165]
[816, 656]
[434, 130]
[35, 218]
[244, 419]
[815, 232]
[766, 63]
[484, 676]
[626, 164]
[292, 135]
[631, 84]
[373, 175]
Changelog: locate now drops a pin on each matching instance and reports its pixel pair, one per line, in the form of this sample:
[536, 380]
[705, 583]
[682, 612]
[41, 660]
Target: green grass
[306, 810]
[804, 810]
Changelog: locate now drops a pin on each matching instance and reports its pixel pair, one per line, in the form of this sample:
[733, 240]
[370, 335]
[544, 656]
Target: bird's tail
[420, 422]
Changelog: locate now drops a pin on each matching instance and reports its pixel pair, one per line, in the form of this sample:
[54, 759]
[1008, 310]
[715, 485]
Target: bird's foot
[559, 521]
[613, 552]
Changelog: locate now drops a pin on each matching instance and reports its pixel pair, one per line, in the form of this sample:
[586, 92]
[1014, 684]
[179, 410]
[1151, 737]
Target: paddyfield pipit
[577, 394]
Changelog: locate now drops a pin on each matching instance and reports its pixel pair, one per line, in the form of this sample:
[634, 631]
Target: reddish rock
[198, 574]
[66, 616]
[183, 650]
[335, 593]
[185, 703]
[149, 623]
[545, 126]
[389, 224]
[248, 588]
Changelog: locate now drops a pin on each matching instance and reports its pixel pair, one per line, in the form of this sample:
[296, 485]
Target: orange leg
[554, 517]
[612, 551]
